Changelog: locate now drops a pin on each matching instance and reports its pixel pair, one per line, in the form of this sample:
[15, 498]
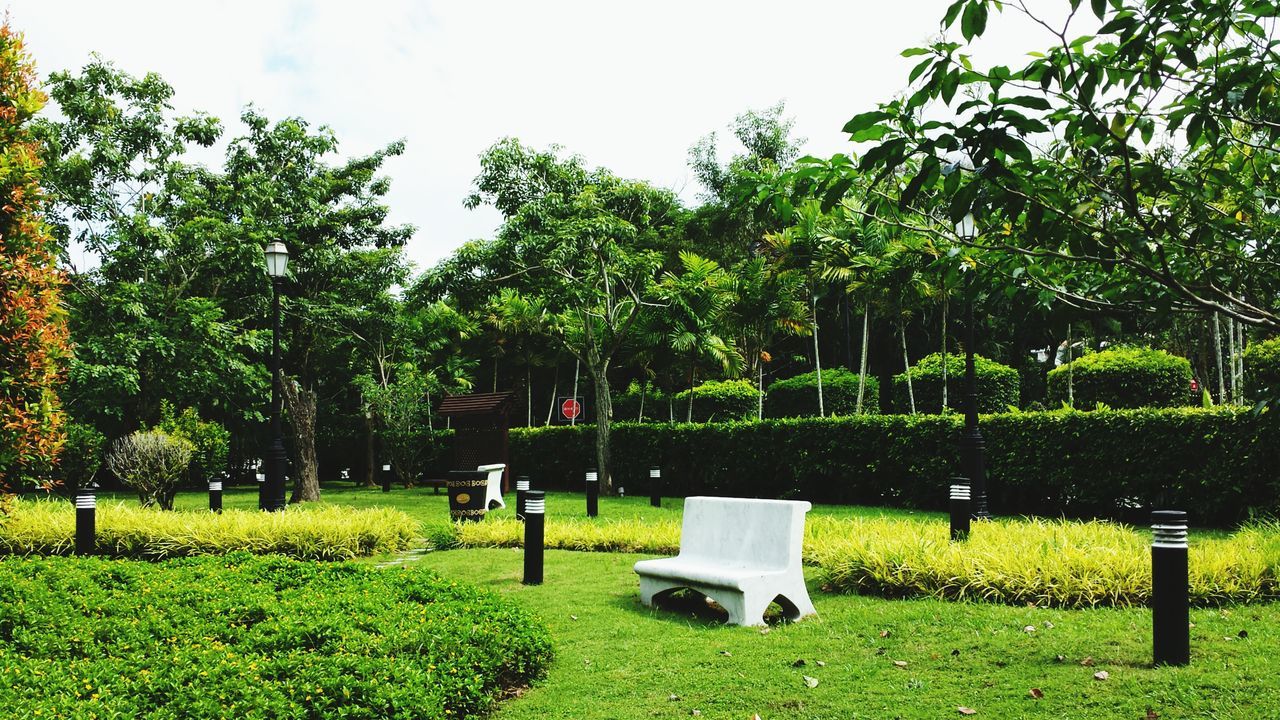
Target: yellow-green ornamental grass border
[308, 533]
[1052, 563]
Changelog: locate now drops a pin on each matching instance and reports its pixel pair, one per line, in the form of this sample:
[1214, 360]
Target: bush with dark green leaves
[1123, 378]
[249, 637]
[719, 401]
[627, 404]
[1219, 463]
[998, 385]
[798, 396]
[212, 441]
[1262, 370]
[81, 455]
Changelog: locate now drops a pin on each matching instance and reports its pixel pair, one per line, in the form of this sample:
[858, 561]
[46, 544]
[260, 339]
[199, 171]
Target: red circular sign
[571, 408]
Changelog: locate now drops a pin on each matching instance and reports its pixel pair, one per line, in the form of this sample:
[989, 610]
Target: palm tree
[696, 299]
[766, 301]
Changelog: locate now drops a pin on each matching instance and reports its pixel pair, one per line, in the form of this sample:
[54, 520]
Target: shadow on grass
[685, 606]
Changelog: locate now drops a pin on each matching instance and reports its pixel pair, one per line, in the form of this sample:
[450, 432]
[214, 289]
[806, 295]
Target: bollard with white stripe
[960, 513]
[535, 509]
[215, 495]
[86, 523]
[262, 491]
[593, 492]
[522, 492]
[1170, 611]
[386, 477]
[655, 486]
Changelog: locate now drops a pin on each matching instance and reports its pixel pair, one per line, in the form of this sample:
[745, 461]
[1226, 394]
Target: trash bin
[466, 494]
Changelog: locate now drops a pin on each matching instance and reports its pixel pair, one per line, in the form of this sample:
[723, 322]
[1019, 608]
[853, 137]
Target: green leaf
[865, 120]
[1099, 8]
[974, 21]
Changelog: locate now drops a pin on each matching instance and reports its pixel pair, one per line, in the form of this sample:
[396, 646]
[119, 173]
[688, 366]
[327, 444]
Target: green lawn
[617, 659]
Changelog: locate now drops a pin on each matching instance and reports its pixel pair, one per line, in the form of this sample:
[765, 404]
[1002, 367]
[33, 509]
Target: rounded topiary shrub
[798, 396]
[1123, 378]
[627, 405]
[1262, 370]
[718, 401]
[997, 385]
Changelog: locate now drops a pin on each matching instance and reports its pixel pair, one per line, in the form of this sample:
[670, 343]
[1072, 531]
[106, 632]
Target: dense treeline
[857, 266]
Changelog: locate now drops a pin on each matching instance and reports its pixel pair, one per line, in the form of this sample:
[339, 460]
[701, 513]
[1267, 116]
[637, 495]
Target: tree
[588, 245]
[766, 301]
[696, 302]
[1124, 169]
[33, 331]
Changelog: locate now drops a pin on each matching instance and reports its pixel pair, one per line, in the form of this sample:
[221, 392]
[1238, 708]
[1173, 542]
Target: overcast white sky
[628, 86]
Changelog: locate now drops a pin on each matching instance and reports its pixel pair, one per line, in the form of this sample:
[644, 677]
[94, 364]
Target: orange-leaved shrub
[33, 330]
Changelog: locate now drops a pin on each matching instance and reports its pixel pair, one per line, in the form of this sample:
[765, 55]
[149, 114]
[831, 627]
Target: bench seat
[742, 553]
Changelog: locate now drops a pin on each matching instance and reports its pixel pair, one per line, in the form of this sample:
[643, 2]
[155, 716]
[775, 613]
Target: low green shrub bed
[1050, 563]
[1262, 370]
[309, 533]
[719, 401]
[1218, 464]
[247, 637]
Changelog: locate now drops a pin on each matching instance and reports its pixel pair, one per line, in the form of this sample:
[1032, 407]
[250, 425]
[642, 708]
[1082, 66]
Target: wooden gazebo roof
[478, 404]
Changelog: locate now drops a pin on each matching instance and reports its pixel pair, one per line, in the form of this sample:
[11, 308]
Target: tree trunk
[862, 365]
[555, 388]
[906, 364]
[300, 403]
[760, 392]
[577, 364]
[528, 395]
[944, 347]
[1217, 352]
[370, 452]
[817, 358]
[644, 390]
[688, 413]
[604, 415]
[1071, 367]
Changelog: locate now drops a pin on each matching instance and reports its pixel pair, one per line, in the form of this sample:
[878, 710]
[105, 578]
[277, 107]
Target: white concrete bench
[493, 492]
[742, 553]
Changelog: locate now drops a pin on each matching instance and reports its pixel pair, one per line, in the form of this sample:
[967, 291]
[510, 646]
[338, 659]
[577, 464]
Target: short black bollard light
[535, 509]
[593, 492]
[522, 492]
[655, 486]
[386, 477]
[959, 508]
[262, 490]
[1170, 613]
[215, 495]
[86, 523]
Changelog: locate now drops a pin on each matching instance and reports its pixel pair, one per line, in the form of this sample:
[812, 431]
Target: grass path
[616, 659]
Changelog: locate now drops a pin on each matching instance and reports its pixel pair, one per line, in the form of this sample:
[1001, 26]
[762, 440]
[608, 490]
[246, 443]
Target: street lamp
[972, 446]
[277, 256]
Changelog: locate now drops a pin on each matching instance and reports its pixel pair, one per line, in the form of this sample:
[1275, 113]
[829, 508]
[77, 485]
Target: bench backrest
[743, 532]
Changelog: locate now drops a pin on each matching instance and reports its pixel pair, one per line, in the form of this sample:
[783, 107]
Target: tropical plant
[153, 463]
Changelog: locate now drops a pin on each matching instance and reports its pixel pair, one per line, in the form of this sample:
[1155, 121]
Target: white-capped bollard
[593, 492]
[655, 486]
[534, 530]
[86, 523]
[960, 513]
[1170, 606]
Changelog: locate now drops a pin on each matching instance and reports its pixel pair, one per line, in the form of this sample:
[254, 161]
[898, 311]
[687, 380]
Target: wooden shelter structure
[480, 422]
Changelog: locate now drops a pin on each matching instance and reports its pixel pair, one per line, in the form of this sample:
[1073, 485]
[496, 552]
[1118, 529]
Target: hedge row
[1219, 464]
[998, 385]
[798, 396]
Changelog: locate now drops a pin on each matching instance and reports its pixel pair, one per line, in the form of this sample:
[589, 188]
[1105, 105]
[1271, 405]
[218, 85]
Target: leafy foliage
[153, 463]
[1124, 378]
[33, 332]
[797, 396]
[81, 455]
[210, 441]
[1262, 369]
[998, 385]
[402, 410]
[721, 400]
[256, 637]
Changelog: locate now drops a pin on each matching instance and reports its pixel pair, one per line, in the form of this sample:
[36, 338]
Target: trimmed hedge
[247, 637]
[998, 385]
[798, 396]
[1124, 378]
[1219, 464]
[1262, 369]
[719, 401]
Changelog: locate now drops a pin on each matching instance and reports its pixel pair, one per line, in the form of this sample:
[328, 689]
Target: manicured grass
[617, 659]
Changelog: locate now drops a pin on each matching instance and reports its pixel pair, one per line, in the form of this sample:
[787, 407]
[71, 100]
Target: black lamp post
[972, 446]
[276, 458]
